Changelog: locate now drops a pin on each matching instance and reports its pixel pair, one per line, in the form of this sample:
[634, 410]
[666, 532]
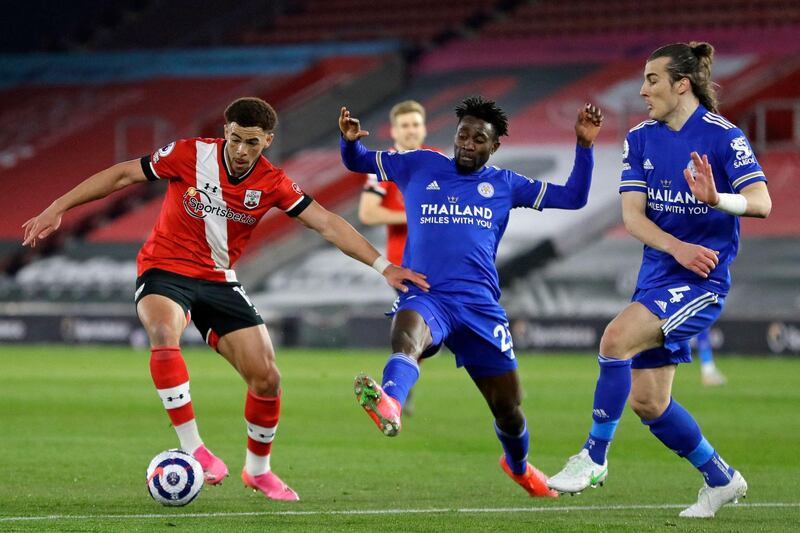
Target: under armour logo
[212, 188]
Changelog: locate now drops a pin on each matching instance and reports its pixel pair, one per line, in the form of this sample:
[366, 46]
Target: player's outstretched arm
[698, 259]
[354, 155]
[575, 192]
[588, 124]
[350, 126]
[338, 232]
[95, 187]
[753, 201]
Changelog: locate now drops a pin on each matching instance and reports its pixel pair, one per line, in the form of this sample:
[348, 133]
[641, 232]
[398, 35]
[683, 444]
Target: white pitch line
[559, 509]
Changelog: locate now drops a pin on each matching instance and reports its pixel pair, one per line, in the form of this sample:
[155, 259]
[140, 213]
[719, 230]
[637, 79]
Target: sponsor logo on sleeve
[744, 154]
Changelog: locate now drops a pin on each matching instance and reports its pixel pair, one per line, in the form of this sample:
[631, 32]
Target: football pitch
[79, 425]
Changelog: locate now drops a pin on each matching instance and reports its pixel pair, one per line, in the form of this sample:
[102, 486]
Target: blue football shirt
[653, 160]
[456, 221]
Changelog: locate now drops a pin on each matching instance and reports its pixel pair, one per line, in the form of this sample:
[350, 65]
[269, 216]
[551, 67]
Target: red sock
[261, 415]
[172, 381]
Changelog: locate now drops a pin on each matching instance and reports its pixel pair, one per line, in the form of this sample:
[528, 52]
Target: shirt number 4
[677, 293]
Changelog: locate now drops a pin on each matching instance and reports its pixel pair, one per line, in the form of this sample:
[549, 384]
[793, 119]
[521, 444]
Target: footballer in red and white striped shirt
[218, 190]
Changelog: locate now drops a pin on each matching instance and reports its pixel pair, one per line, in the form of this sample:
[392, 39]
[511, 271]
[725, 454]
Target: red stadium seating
[359, 20]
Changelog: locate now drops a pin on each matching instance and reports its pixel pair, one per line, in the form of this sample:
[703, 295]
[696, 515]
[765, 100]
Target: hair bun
[702, 49]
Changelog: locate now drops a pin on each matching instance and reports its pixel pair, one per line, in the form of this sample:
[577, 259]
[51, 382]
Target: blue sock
[679, 432]
[704, 350]
[399, 376]
[516, 448]
[610, 395]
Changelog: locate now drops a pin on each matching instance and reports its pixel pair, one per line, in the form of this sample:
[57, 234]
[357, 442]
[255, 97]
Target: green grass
[79, 425]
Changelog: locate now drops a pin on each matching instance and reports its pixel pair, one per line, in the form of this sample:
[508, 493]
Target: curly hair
[250, 111]
[478, 107]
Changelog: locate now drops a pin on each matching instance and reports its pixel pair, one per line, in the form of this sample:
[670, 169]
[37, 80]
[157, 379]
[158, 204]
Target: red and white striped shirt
[208, 215]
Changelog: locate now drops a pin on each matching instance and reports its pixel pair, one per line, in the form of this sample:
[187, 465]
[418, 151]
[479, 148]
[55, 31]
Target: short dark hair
[251, 111]
[476, 106]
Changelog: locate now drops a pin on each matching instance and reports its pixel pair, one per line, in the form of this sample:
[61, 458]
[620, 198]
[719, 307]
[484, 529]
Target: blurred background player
[684, 276]
[218, 190]
[709, 373]
[382, 202]
[458, 209]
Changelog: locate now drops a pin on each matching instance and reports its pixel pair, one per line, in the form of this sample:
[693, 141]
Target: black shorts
[216, 308]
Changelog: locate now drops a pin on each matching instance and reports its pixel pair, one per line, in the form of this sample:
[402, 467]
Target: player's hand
[395, 276]
[698, 259]
[41, 226]
[702, 181]
[590, 119]
[351, 127]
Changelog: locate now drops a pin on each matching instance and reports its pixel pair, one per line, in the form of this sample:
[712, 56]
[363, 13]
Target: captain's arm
[693, 257]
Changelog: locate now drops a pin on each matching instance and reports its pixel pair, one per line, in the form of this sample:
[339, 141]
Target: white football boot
[711, 499]
[579, 473]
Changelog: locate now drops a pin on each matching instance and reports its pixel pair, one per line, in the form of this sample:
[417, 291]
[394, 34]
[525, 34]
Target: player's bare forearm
[759, 203]
[101, 185]
[338, 232]
[95, 187]
[371, 213]
[641, 227]
[693, 257]
[644, 230]
[345, 237]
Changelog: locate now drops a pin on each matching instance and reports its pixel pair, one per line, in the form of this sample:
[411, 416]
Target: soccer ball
[174, 478]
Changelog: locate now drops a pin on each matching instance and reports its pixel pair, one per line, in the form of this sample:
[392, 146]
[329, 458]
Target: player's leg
[709, 373]
[250, 351]
[633, 330]
[651, 399]
[232, 326]
[164, 321]
[503, 394]
[410, 336]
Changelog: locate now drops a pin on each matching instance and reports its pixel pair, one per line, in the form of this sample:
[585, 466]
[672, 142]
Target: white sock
[708, 368]
[188, 436]
[255, 465]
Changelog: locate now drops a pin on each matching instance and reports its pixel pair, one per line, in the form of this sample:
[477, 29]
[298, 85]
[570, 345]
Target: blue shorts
[478, 335]
[688, 309]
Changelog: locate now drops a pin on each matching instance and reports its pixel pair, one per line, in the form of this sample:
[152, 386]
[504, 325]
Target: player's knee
[613, 342]
[647, 408]
[163, 334]
[265, 382]
[405, 342]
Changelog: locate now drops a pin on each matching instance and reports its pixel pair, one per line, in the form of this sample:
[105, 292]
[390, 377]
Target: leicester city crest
[252, 198]
[486, 189]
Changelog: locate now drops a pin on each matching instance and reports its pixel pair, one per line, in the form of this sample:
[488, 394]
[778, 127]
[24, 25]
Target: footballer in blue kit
[457, 210]
[687, 175]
